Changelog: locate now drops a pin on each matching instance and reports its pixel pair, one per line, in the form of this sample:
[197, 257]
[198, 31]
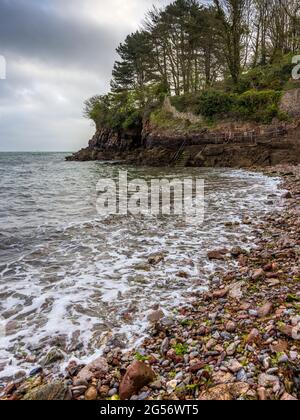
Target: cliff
[229, 144]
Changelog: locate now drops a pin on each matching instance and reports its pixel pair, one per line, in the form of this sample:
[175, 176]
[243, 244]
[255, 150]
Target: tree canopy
[190, 46]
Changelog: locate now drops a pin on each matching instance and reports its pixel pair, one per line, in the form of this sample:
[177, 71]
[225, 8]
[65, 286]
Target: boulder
[56, 391]
[136, 377]
[54, 355]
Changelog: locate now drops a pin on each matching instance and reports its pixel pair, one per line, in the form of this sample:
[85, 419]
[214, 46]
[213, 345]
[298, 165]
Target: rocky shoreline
[239, 341]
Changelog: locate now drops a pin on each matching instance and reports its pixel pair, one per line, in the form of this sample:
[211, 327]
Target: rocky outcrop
[231, 144]
[290, 103]
[110, 144]
[187, 116]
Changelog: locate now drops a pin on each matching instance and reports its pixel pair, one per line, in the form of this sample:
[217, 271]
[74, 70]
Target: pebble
[77, 391]
[294, 356]
[231, 349]
[36, 371]
[165, 345]
[242, 376]
[112, 392]
[230, 326]
[91, 394]
[234, 366]
[283, 359]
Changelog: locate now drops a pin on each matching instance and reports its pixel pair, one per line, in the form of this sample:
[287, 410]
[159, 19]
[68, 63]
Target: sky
[58, 53]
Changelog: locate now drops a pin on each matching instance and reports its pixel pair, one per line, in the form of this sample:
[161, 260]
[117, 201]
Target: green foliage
[141, 358]
[272, 76]
[259, 106]
[180, 349]
[253, 105]
[119, 110]
[211, 102]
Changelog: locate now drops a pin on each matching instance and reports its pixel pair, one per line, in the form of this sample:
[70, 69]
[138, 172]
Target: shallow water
[71, 278]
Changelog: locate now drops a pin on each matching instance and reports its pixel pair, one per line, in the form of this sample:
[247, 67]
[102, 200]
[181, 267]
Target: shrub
[214, 102]
[260, 106]
[271, 76]
[252, 105]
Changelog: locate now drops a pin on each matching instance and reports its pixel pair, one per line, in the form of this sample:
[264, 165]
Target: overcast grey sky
[58, 53]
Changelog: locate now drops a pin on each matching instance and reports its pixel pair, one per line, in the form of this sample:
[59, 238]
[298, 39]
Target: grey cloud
[58, 52]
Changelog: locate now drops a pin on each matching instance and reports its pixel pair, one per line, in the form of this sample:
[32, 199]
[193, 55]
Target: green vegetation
[141, 358]
[229, 59]
[181, 349]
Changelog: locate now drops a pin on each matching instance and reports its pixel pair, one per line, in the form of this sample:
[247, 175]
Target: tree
[134, 69]
[231, 14]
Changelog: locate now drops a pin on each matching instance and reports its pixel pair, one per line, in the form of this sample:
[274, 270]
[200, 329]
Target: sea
[73, 278]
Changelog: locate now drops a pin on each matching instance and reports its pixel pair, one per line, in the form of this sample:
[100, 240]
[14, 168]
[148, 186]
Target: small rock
[96, 369]
[265, 310]
[156, 385]
[171, 386]
[289, 331]
[237, 251]
[155, 316]
[165, 345]
[239, 389]
[54, 355]
[156, 259]
[241, 376]
[211, 344]
[222, 378]
[103, 390]
[262, 394]
[287, 195]
[288, 397]
[217, 254]
[294, 356]
[234, 366]
[77, 391]
[230, 326]
[253, 337]
[219, 294]
[91, 394]
[137, 376]
[235, 290]
[280, 347]
[217, 393]
[112, 392]
[231, 349]
[258, 274]
[36, 371]
[283, 359]
[269, 381]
